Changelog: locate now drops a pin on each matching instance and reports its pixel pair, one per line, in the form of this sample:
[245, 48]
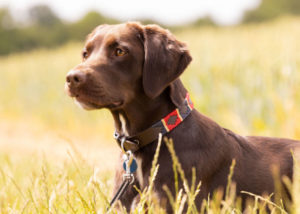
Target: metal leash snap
[128, 177]
[129, 166]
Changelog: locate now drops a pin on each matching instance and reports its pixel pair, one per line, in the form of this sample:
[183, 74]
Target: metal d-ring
[123, 140]
[116, 135]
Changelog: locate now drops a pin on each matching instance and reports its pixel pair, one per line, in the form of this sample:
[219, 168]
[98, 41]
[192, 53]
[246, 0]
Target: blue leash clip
[132, 166]
[129, 164]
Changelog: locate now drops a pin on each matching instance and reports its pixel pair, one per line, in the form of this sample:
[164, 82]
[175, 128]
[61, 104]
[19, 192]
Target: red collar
[174, 118]
[165, 125]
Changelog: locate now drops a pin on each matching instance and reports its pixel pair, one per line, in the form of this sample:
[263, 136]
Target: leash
[130, 166]
[130, 144]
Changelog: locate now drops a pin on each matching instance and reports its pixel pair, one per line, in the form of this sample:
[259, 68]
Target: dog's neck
[142, 113]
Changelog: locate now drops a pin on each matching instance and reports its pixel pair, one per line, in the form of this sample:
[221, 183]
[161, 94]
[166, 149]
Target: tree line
[45, 29]
[270, 9]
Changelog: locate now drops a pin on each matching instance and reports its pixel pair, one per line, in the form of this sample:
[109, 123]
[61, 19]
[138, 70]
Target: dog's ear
[165, 59]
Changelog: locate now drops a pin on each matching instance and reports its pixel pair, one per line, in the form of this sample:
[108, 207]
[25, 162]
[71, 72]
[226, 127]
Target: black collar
[165, 125]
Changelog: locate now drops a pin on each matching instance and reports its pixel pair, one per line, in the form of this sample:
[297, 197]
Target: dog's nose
[75, 78]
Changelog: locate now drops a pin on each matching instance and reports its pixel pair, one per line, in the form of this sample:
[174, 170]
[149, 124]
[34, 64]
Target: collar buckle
[126, 143]
[163, 126]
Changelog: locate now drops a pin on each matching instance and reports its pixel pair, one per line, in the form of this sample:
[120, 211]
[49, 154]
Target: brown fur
[143, 86]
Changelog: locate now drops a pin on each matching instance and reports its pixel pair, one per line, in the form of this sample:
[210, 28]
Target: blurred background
[244, 73]
[56, 157]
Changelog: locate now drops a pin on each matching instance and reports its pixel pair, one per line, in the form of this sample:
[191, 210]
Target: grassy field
[246, 78]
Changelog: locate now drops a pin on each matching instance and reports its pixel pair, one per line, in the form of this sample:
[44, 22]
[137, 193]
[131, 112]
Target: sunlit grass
[35, 185]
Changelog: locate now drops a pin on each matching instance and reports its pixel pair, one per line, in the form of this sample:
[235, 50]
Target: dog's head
[122, 62]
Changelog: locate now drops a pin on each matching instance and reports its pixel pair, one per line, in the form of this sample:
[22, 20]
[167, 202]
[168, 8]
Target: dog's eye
[120, 52]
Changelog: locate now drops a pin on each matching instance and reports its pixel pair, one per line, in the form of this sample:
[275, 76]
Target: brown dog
[133, 70]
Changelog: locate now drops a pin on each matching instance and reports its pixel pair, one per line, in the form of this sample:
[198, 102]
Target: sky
[225, 12]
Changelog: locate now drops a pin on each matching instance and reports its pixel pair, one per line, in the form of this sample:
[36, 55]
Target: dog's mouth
[89, 103]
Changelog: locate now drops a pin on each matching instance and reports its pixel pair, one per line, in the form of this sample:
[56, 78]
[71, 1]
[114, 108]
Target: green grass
[245, 78]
